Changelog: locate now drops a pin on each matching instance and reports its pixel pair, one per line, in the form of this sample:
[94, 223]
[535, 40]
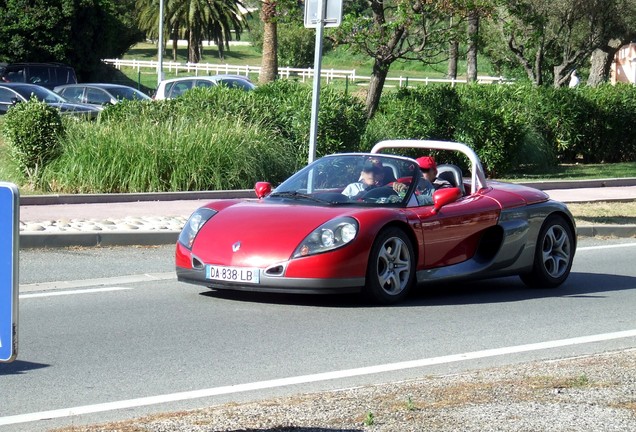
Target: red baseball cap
[426, 162]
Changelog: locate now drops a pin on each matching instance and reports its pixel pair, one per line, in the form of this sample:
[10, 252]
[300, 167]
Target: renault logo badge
[236, 246]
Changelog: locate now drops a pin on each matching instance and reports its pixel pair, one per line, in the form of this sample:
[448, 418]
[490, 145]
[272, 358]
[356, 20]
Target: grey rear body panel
[515, 255]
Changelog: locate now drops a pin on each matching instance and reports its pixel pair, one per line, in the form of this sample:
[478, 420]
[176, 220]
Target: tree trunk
[471, 55]
[538, 66]
[175, 43]
[269, 63]
[376, 84]
[602, 59]
[453, 55]
[560, 77]
[194, 52]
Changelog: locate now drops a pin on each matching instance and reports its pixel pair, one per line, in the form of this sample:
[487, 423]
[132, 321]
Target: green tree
[549, 39]
[618, 29]
[269, 62]
[79, 33]
[295, 43]
[393, 30]
[196, 21]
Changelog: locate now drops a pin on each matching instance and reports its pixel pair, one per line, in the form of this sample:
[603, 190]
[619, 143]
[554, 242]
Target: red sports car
[379, 224]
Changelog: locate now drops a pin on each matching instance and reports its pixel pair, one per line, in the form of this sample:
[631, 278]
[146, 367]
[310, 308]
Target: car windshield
[42, 94]
[358, 179]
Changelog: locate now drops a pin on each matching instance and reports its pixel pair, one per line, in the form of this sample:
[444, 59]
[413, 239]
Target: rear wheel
[553, 255]
[391, 270]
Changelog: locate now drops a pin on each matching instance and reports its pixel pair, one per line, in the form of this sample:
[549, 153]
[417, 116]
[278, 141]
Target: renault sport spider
[370, 223]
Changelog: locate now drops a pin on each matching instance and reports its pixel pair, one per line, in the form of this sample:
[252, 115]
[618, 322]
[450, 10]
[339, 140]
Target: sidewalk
[154, 219]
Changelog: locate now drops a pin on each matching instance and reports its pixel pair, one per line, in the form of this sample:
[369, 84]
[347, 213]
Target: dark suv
[47, 75]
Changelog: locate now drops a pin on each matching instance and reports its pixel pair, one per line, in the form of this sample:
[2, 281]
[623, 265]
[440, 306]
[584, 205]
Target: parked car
[175, 87]
[307, 236]
[99, 94]
[46, 75]
[13, 93]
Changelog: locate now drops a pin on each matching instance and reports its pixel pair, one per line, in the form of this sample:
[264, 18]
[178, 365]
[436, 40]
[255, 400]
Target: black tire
[553, 256]
[391, 269]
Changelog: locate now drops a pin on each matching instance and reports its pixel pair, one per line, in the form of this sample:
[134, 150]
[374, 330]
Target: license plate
[232, 274]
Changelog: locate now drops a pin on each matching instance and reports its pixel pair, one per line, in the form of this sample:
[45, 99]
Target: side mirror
[262, 189]
[441, 197]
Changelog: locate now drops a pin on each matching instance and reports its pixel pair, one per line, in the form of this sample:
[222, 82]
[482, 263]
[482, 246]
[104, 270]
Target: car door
[179, 88]
[204, 83]
[97, 96]
[73, 94]
[452, 234]
[7, 99]
[14, 73]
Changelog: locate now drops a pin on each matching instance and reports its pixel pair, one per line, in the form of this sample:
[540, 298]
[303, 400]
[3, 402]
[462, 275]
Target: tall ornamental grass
[174, 156]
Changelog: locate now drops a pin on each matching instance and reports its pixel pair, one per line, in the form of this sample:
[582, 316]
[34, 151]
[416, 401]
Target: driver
[369, 176]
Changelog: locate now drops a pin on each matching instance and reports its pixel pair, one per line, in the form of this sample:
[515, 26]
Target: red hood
[268, 233]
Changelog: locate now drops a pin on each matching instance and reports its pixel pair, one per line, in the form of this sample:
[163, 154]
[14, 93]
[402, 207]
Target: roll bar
[478, 178]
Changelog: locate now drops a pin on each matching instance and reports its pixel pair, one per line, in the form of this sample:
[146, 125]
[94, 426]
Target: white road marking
[621, 245]
[72, 292]
[303, 379]
[83, 283]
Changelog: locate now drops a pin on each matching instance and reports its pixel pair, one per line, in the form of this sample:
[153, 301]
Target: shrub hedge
[222, 138]
[516, 128]
[215, 138]
[32, 132]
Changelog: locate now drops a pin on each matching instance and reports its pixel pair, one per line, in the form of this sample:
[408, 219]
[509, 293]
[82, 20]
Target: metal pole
[160, 48]
[315, 100]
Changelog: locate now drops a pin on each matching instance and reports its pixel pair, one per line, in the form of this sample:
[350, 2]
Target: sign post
[9, 250]
[319, 14]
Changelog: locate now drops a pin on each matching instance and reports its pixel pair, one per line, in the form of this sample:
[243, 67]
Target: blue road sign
[9, 250]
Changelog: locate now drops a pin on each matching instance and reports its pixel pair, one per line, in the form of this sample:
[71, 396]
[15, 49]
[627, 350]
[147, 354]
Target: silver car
[99, 93]
[13, 93]
[175, 87]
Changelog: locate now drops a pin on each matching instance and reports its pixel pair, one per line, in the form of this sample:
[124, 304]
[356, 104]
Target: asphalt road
[109, 332]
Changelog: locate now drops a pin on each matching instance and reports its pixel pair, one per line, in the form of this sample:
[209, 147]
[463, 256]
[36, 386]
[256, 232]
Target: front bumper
[279, 284]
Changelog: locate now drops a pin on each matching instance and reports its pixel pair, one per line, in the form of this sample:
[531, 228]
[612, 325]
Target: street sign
[9, 249]
[333, 13]
[319, 14]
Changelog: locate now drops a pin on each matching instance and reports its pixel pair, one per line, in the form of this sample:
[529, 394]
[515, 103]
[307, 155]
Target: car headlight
[194, 224]
[329, 236]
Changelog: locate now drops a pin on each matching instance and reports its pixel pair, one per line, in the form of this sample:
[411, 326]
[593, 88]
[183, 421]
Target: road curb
[133, 197]
[621, 231]
[41, 240]
[579, 184]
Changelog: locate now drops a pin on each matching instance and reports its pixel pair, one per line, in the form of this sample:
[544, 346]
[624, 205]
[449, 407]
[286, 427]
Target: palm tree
[195, 20]
[269, 63]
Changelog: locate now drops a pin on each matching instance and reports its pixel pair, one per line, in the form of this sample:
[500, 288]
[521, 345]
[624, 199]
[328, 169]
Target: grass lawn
[604, 213]
[340, 58]
[581, 172]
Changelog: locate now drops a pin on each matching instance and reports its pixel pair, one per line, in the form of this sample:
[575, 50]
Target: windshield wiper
[296, 195]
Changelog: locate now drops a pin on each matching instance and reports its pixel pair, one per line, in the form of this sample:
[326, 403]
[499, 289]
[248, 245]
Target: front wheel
[553, 255]
[391, 270]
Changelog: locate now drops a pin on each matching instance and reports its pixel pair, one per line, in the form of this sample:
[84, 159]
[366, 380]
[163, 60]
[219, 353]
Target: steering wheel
[379, 194]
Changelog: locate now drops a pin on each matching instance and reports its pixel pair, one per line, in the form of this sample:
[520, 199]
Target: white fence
[304, 74]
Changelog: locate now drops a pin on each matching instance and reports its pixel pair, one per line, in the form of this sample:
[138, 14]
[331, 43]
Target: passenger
[424, 189]
[369, 176]
[429, 171]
